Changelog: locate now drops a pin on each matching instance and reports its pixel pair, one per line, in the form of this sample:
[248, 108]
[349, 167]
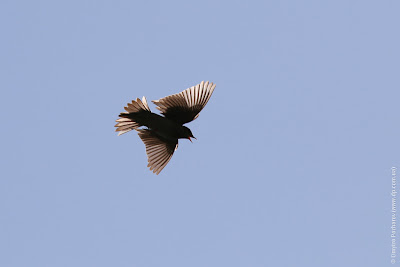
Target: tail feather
[125, 123]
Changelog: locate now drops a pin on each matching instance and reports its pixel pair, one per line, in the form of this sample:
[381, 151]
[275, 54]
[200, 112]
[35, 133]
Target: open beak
[191, 137]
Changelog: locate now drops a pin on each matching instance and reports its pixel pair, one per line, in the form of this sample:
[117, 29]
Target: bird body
[161, 133]
[161, 125]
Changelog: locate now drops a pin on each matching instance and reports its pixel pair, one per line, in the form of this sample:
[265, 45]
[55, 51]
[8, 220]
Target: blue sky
[291, 166]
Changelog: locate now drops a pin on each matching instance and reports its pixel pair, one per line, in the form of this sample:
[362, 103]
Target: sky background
[291, 166]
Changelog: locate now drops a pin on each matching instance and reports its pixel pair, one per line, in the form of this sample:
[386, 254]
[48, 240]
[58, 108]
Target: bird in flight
[160, 134]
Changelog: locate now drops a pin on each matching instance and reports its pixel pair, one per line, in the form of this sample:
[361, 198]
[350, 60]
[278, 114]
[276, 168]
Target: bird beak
[192, 137]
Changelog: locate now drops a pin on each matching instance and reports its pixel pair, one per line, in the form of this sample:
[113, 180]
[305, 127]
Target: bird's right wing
[186, 105]
[159, 152]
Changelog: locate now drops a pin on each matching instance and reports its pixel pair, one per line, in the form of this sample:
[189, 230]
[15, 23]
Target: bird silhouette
[160, 134]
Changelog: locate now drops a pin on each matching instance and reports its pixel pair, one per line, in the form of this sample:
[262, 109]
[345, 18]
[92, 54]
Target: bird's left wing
[186, 105]
[159, 152]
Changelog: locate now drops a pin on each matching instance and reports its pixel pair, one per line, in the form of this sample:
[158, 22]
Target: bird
[160, 133]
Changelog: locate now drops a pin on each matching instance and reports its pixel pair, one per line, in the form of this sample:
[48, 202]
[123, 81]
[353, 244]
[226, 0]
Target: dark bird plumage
[161, 133]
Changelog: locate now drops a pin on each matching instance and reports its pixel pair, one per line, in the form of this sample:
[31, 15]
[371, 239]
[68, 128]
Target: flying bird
[160, 134]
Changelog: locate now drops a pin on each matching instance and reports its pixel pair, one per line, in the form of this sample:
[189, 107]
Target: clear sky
[292, 162]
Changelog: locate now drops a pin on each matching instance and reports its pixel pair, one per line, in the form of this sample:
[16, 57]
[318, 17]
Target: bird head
[188, 133]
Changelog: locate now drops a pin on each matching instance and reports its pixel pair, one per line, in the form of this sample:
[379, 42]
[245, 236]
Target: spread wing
[159, 152]
[186, 105]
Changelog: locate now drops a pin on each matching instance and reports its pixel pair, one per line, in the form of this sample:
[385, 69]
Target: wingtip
[213, 85]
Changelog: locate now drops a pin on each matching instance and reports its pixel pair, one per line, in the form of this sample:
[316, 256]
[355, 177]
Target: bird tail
[126, 123]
